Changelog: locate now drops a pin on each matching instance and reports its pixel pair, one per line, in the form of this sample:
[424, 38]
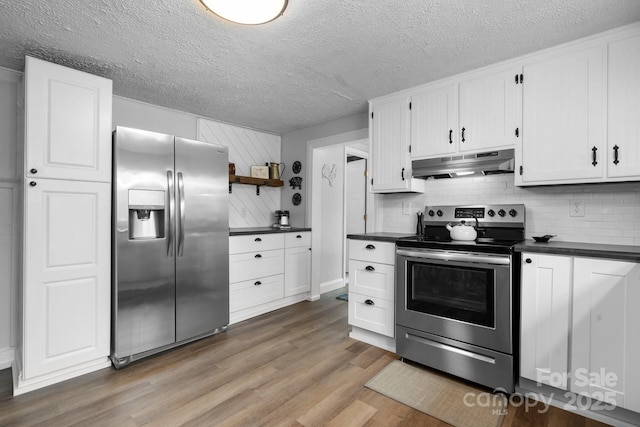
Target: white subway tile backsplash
[612, 211]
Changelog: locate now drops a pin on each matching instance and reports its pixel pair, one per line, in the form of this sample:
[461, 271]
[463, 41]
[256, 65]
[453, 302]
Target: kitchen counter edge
[380, 237]
[588, 250]
[264, 230]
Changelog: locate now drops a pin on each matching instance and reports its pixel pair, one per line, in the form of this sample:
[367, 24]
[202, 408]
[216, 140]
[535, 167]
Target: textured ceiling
[320, 61]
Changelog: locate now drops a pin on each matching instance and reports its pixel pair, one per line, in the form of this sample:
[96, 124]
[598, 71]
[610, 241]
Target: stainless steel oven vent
[487, 163]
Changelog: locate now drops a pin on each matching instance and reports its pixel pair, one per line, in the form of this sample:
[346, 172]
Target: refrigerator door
[143, 315]
[202, 238]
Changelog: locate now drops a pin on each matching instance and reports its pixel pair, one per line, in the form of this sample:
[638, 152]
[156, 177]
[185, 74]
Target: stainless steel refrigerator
[170, 242]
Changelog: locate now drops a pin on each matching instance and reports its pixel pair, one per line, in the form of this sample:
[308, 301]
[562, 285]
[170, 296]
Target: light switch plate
[407, 208]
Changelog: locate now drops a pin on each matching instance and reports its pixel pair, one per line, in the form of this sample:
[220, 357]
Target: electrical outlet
[576, 208]
[406, 208]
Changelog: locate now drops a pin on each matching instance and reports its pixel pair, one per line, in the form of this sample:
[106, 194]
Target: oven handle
[453, 256]
[446, 347]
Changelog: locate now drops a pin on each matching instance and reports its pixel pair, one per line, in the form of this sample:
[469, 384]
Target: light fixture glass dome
[249, 12]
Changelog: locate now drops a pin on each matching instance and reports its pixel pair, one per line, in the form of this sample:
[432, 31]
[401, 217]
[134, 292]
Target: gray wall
[294, 147]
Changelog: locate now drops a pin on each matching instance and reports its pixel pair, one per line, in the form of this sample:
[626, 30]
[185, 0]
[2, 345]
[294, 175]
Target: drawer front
[376, 316]
[372, 251]
[254, 292]
[294, 240]
[252, 265]
[255, 242]
[373, 279]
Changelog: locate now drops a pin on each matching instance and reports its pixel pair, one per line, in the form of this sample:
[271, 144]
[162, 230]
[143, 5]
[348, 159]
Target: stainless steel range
[457, 300]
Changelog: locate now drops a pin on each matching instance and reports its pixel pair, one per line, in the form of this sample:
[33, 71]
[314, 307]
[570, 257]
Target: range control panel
[511, 213]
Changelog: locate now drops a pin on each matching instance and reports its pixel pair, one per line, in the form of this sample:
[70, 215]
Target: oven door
[461, 296]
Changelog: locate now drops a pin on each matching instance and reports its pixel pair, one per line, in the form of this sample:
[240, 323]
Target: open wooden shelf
[239, 179]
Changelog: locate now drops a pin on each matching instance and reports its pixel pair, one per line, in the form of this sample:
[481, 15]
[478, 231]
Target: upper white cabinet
[389, 134]
[581, 105]
[605, 339]
[67, 123]
[624, 108]
[475, 113]
[563, 118]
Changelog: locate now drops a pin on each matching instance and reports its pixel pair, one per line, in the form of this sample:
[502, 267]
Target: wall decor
[296, 167]
[296, 182]
[296, 199]
[329, 173]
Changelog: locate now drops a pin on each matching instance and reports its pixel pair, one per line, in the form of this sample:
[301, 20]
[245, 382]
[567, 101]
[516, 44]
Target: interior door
[202, 238]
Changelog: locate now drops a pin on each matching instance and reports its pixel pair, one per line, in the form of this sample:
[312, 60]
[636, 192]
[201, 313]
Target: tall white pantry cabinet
[66, 256]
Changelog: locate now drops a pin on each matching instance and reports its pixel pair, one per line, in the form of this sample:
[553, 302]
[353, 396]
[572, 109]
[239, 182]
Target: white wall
[140, 115]
[294, 147]
[612, 211]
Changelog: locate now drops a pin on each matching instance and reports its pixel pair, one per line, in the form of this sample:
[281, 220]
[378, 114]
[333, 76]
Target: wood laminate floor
[292, 367]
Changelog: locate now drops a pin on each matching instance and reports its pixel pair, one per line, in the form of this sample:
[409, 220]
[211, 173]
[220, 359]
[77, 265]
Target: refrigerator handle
[170, 210]
[180, 214]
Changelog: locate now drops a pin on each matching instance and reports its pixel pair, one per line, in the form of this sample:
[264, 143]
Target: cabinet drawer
[255, 242]
[254, 292]
[372, 314]
[372, 251]
[252, 265]
[373, 279]
[293, 240]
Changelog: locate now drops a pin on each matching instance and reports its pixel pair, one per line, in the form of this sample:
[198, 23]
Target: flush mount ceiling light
[249, 12]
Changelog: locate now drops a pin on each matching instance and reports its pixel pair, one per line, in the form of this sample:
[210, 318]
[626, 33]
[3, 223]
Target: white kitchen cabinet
[66, 278]
[545, 318]
[434, 122]
[297, 264]
[389, 134]
[66, 258]
[67, 123]
[605, 342]
[372, 291]
[267, 271]
[623, 155]
[564, 99]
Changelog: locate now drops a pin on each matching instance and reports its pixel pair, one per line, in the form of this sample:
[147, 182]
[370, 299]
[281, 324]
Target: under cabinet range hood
[487, 163]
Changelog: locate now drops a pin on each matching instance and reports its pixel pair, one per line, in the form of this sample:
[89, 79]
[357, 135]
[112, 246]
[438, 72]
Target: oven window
[454, 292]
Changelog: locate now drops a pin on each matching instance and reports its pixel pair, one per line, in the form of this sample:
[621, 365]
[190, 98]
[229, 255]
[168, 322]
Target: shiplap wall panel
[246, 148]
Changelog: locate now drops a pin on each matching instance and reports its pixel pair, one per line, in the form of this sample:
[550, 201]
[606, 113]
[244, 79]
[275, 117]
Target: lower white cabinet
[66, 276]
[372, 292]
[579, 326]
[267, 272]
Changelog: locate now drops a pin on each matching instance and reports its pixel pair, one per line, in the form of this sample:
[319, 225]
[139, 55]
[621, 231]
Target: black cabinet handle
[369, 302]
[528, 261]
[463, 129]
[257, 239]
[258, 283]
[402, 174]
[33, 184]
[298, 237]
[369, 268]
[615, 154]
[258, 256]
[450, 136]
[34, 171]
[370, 247]
[593, 154]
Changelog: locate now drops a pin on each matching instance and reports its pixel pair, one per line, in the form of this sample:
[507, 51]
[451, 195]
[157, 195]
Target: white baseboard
[7, 355]
[382, 341]
[331, 285]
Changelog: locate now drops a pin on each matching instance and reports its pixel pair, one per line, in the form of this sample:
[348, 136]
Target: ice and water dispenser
[146, 214]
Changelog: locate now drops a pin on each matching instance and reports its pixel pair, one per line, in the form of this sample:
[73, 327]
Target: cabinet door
[624, 108]
[563, 119]
[605, 339]
[434, 125]
[391, 166]
[488, 111]
[68, 123]
[297, 270]
[67, 265]
[545, 319]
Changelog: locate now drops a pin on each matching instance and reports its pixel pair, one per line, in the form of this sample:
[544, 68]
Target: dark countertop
[264, 230]
[381, 237]
[590, 250]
